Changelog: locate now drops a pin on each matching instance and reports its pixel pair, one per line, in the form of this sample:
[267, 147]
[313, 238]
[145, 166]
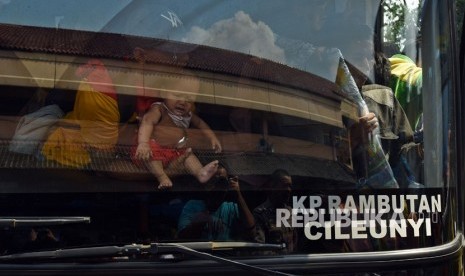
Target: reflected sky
[292, 32]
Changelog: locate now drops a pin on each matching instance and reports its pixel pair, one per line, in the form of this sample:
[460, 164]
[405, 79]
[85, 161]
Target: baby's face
[179, 103]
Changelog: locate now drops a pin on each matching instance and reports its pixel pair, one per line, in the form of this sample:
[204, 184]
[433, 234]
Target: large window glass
[308, 124]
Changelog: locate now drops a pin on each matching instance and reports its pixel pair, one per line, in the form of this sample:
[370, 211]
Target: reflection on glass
[215, 116]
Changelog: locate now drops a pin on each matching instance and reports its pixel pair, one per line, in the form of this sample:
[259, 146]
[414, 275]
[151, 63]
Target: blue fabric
[222, 221]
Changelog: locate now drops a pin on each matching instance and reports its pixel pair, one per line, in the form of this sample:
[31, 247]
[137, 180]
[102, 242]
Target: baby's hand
[143, 151]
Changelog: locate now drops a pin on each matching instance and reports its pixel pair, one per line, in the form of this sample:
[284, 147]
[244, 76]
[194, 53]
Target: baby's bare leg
[202, 173]
[177, 167]
[156, 168]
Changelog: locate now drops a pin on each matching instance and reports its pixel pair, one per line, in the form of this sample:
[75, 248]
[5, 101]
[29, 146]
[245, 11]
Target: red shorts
[163, 154]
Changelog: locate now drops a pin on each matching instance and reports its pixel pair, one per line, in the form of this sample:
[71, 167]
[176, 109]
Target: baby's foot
[207, 171]
[164, 182]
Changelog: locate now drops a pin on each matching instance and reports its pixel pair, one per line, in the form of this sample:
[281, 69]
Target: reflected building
[265, 114]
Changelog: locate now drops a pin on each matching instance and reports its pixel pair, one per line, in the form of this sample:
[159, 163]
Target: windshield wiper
[190, 248]
[40, 221]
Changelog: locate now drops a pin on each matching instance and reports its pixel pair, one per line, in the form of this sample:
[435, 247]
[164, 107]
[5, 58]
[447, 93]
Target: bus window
[134, 133]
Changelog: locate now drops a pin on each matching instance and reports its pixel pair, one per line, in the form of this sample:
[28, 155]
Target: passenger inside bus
[372, 74]
[214, 218]
[92, 125]
[406, 82]
[397, 136]
[278, 189]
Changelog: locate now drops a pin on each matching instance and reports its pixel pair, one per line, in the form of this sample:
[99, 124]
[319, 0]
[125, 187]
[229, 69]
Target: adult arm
[360, 130]
[244, 211]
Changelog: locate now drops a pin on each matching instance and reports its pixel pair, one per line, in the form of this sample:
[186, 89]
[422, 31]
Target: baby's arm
[145, 131]
[197, 122]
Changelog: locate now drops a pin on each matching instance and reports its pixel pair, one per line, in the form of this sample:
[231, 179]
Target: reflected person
[279, 188]
[214, 218]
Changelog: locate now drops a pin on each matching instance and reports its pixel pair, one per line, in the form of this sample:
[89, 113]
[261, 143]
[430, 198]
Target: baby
[162, 138]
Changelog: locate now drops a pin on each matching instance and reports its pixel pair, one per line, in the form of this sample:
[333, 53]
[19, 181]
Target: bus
[266, 137]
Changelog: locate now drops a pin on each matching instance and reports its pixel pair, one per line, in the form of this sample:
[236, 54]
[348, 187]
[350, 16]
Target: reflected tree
[401, 21]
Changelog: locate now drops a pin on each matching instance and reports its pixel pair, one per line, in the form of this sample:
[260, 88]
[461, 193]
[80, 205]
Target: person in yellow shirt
[93, 123]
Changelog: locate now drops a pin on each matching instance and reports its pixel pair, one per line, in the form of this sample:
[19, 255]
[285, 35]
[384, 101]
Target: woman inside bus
[92, 125]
